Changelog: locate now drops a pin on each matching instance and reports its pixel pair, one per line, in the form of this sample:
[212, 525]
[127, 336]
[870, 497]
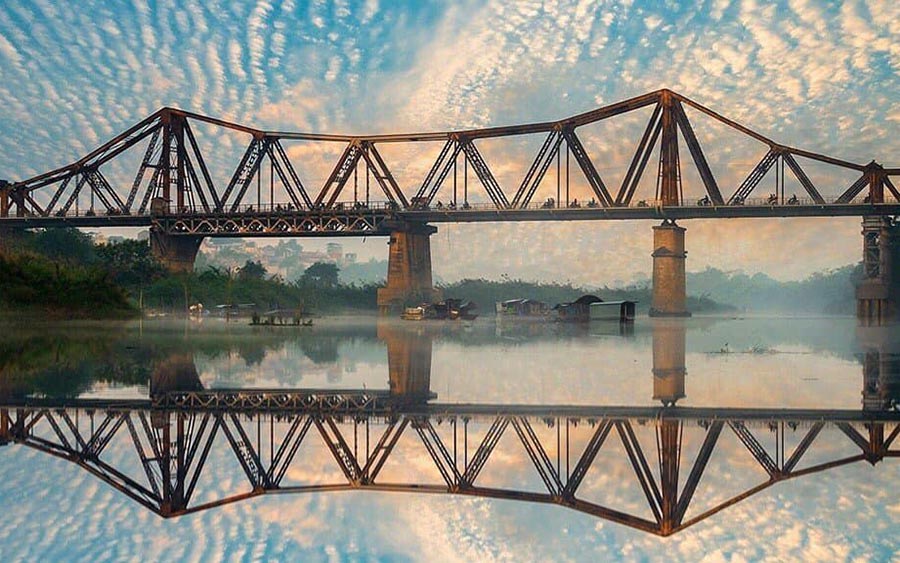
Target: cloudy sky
[824, 78]
[56, 512]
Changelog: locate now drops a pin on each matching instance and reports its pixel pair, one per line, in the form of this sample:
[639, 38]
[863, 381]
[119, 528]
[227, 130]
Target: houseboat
[621, 311]
[522, 308]
[591, 308]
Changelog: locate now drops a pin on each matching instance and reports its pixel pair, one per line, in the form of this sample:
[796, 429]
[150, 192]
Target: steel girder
[172, 447]
[276, 223]
[183, 183]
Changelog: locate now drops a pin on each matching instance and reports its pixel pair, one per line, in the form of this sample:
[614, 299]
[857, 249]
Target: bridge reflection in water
[172, 436]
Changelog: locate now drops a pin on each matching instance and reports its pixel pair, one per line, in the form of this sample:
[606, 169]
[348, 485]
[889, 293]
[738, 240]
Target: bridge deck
[367, 222]
[380, 403]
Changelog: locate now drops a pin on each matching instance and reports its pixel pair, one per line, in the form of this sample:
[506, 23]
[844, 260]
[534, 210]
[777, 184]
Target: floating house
[522, 308]
[449, 309]
[621, 311]
[591, 308]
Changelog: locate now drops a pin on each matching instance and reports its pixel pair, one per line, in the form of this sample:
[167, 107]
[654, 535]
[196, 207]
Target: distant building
[223, 242]
[350, 258]
[335, 251]
[143, 235]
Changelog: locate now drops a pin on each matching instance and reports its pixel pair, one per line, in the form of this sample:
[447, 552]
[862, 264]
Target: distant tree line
[66, 271]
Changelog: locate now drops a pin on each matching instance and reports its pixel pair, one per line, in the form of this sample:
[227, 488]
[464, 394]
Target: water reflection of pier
[172, 437]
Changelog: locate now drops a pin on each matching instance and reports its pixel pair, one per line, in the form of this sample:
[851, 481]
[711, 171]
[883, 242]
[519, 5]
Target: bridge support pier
[409, 268]
[669, 296]
[668, 361]
[176, 252]
[409, 362]
[878, 294]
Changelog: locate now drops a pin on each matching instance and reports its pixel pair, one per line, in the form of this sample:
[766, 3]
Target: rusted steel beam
[668, 190]
[615, 109]
[333, 438]
[763, 139]
[288, 449]
[436, 174]
[690, 486]
[801, 176]
[755, 448]
[289, 178]
[641, 156]
[339, 175]
[484, 451]
[244, 173]
[491, 186]
[204, 170]
[854, 189]
[538, 455]
[588, 168]
[537, 170]
[243, 451]
[142, 169]
[438, 452]
[201, 461]
[802, 447]
[754, 178]
[383, 174]
[709, 180]
[890, 186]
[383, 450]
[587, 459]
[642, 469]
[117, 144]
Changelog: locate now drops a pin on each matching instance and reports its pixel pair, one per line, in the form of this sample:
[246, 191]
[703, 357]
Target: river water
[735, 438]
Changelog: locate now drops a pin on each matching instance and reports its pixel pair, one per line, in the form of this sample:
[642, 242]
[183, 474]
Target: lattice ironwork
[173, 447]
[181, 182]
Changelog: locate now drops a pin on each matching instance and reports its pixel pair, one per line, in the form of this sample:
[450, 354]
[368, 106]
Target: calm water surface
[715, 438]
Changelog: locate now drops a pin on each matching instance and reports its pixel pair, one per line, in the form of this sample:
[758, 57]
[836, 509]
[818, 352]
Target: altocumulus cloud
[823, 77]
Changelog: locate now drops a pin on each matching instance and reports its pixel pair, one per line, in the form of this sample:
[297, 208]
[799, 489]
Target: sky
[60, 512]
[821, 76]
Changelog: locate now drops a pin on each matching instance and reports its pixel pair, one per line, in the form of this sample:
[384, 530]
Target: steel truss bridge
[173, 191]
[171, 437]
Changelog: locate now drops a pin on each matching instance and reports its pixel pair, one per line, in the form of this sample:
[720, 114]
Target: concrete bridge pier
[669, 296]
[668, 361]
[409, 279]
[409, 361]
[176, 252]
[878, 294]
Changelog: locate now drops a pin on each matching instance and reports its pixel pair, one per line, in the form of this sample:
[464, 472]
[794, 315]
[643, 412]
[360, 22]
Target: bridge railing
[360, 207]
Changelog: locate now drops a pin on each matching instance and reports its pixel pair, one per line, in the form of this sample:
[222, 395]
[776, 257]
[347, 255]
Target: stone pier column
[668, 361]
[668, 293]
[409, 279]
[5, 188]
[175, 372]
[409, 361]
[878, 293]
[5, 423]
[176, 252]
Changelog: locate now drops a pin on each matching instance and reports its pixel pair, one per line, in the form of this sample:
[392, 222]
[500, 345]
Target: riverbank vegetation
[64, 273]
[32, 283]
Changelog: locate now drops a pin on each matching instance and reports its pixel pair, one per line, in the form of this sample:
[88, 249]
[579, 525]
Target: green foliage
[252, 271]
[129, 263]
[68, 245]
[33, 282]
[320, 274]
[215, 286]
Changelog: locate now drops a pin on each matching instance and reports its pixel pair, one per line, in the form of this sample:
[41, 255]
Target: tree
[252, 271]
[67, 244]
[129, 262]
[321, 274]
